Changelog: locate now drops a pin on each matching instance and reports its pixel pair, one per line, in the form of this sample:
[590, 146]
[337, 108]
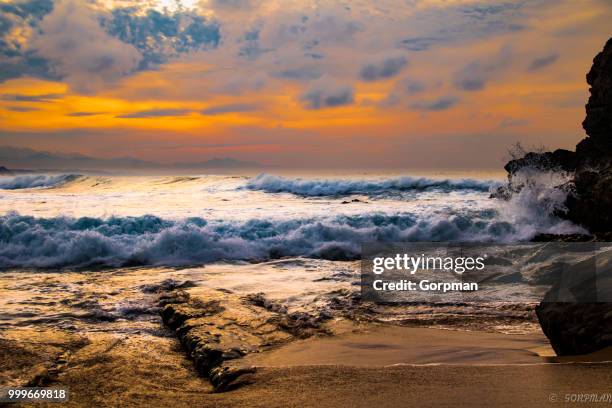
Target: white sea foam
[27, 241]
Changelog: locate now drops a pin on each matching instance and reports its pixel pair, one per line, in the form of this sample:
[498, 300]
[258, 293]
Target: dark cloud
[229, 108]
[15, 61]
[404, 87]
[324, 95]
[543, 62]
[440, 104]
[299, 74]
[27, 10]
[155, 113]
[385, 69]
[70, 41]
[482, 12]
[161, 35]
[474, 76]
[250, 47]
[31, 98]
[79, 114]
[460, 24]
[420, 43]
[412, 86]
[21, 109]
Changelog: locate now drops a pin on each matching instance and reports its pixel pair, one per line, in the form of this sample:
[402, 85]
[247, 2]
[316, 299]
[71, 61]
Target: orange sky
[363, 84]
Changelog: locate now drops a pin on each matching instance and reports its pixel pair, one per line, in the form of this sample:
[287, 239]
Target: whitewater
[75, 221]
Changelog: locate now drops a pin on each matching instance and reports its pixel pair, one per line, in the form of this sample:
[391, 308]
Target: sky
[291, 83]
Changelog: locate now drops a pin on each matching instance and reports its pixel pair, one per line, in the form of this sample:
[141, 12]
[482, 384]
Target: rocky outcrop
[4, 171]
[217, 329]
[590, 200]
[598, 122]
[583, 324]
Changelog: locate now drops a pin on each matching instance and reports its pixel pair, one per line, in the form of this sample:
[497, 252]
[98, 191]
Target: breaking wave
[331, 187]
[63, 242]
[36, 181]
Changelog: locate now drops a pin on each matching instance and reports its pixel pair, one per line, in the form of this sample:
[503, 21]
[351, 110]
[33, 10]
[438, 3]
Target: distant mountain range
[23, 158]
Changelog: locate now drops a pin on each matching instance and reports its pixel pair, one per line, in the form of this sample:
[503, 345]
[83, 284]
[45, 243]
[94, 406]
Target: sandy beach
[137, 370]
[136, 355]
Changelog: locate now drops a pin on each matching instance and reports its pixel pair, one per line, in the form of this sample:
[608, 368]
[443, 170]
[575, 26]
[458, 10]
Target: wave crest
[29, 242]
[330, 187]
[36, 181]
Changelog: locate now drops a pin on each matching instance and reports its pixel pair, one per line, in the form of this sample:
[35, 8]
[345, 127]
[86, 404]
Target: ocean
[91, 253]
[73, 221]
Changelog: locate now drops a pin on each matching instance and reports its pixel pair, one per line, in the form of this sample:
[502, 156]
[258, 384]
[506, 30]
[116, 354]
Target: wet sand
[303, 341]
[137, 372]
[392, 345]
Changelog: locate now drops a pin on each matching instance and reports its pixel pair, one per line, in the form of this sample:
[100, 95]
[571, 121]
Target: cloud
[159, 36]
[229, 108]
[543, 62]
[18, 20]
[73, 39]
[385, 69]
[434, 26]
[305, 73]
[474, 76]
[31, 98]
[78, 49]
[405, 87]
[80, 114]
[325, 94]
[440, 104]
[21, 109]
[155, 113]
[420, 43]
[412, 86]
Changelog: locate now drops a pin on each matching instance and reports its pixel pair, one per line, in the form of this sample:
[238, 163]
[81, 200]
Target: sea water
[72, 221]
[81, 251]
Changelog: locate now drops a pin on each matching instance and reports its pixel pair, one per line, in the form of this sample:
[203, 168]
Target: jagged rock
[591, 206]
[598, 121]
[590, 198]
[560, 159]
[166, 286]
[217, 329]
[4, 171]
[224, 378]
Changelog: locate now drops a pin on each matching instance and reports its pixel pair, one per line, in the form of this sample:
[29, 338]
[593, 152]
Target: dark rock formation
[598, 121]
[560, 159]
[576, 328]
[590, 201]
[584, 324]
[576, 313]
[4, 171]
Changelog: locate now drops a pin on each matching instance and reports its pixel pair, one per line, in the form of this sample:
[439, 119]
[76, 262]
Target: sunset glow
[184, 81]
